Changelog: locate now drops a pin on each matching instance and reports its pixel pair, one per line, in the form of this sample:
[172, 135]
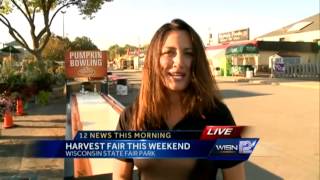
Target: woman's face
[175, 60]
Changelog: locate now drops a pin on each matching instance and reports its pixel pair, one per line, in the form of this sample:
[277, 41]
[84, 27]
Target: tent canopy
[10, 49]
[242, 49]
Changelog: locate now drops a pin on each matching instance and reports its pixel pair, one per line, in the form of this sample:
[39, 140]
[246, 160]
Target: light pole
[63, 12]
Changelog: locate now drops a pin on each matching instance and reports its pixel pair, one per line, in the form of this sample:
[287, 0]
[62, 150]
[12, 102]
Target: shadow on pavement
[31, 138]
[31, 126]
[31, 174]
[236, 79]
[43, 121]
[10, 150]
[134, 90]
[228, 81]
[55, 107]
[230, 93]
[40, 122]
[254, 172]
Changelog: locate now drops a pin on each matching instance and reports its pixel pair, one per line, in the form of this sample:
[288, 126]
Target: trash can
[217, 71]
[104, 86]
[249, 73]
[122, 86]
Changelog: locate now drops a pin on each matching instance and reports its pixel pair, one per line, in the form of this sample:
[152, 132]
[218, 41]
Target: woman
[178, 91]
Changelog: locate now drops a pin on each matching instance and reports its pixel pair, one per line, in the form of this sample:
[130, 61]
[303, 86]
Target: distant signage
[279, 67]
[238, 35]
[242, 49]
[86, 64]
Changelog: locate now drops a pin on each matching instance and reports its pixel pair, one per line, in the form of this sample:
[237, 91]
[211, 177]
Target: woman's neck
[175, 111]
[174, 98]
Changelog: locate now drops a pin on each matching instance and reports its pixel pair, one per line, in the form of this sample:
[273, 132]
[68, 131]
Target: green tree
[47, 9]
[144, 47]
[129, 47]
[122, 51]
[114, 51]
[56, 48]
[83, 43]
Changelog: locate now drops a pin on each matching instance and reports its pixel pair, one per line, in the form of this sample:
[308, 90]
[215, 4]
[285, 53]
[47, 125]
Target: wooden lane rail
[82, 166]
[93, 111]
[116, 105]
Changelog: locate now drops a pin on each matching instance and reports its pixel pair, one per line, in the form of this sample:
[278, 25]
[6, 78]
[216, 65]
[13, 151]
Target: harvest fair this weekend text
[214, 143]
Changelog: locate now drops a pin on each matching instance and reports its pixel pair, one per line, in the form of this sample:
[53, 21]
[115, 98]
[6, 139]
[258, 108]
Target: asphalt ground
[41, 122]
[283, 113]
[48, 122]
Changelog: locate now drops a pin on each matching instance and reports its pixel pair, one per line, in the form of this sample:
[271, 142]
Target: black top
[183, 168]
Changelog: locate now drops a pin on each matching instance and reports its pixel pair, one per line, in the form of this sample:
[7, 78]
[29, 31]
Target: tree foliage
[56, 48]
[47, 10]
[83, 43]
[116, 51]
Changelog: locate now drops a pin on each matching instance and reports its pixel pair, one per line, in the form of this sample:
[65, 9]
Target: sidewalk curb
[274, 82]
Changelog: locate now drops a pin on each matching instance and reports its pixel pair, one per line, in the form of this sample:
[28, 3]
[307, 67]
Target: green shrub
[42, 97]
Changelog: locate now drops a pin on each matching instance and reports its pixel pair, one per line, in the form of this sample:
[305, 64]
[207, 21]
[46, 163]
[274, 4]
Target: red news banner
[215, 132]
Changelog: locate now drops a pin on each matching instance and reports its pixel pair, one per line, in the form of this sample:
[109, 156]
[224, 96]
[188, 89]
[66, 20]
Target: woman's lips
[177, 75]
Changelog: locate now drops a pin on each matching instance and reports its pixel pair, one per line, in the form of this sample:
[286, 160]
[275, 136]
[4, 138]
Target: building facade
[295, 44]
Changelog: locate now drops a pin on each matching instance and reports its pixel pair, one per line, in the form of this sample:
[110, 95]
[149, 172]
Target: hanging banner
[238, 35]
[86, 64]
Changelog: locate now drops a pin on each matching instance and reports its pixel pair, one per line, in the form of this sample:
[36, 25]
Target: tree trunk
[41, 64]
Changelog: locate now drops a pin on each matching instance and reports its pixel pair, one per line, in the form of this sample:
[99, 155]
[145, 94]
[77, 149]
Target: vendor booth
[243, 58]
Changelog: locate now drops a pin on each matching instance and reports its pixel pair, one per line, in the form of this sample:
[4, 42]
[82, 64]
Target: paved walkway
[48, 122]
[313, 84]
[42, 122]
[134, 79]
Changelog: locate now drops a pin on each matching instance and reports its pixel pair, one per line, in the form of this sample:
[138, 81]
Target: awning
[10, 49]
[242, 49]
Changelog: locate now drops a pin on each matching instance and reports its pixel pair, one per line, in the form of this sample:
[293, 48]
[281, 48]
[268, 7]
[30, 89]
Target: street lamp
[63, 12]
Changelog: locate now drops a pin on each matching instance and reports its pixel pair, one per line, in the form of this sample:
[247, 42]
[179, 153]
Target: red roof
[226, 45]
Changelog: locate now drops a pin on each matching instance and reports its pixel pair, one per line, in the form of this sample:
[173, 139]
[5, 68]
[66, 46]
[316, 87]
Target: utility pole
[63, 12]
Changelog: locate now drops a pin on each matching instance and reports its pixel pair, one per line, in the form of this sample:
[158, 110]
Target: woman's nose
[178, 59]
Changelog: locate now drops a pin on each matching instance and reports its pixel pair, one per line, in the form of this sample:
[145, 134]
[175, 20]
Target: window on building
[282, 39]
[317, 41]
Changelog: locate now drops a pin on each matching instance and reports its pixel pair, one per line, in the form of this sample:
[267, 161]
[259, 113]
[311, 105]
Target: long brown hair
[149, 109]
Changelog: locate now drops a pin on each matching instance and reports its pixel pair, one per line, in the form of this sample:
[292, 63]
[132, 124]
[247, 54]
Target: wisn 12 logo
[243, 146]
[246, 146]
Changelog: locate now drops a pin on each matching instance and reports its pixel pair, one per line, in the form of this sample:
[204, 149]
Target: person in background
[178, 92]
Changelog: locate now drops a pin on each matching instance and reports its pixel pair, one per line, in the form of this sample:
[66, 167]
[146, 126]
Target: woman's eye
[190, 54]
[169, 53]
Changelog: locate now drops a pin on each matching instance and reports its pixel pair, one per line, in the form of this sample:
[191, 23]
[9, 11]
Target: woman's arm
[236, 172]
[122, 170]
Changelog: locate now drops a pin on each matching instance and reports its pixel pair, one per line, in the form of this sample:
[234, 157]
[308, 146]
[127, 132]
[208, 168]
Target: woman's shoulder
[125, 118]
[219, 115]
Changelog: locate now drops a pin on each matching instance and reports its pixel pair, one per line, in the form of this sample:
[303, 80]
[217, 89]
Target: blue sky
[135, 21]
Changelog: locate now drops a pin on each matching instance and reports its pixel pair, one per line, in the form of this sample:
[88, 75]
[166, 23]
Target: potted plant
[6, 105]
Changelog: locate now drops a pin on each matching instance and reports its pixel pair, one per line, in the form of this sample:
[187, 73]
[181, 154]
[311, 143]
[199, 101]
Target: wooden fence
[309, 71]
